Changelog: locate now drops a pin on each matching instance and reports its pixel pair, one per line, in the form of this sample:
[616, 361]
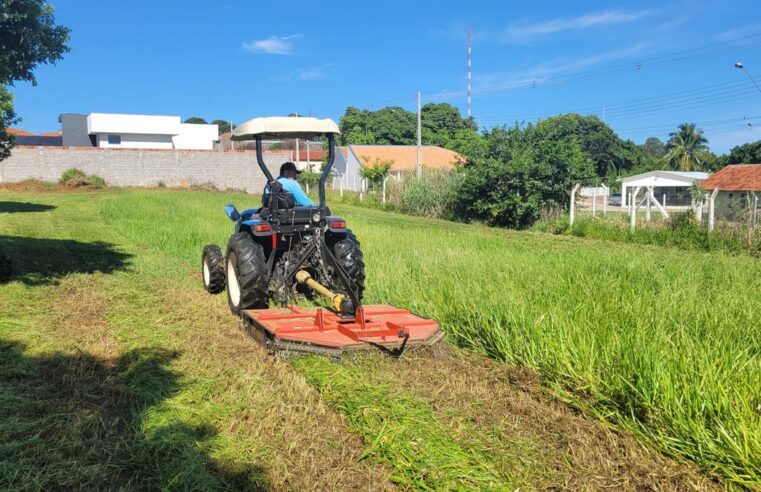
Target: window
[114, 140]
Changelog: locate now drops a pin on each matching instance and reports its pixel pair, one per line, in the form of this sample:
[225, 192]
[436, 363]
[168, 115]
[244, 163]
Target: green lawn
[661, 342]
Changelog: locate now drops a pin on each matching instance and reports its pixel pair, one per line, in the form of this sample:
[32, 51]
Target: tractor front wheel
[213, 269]
[246, 274]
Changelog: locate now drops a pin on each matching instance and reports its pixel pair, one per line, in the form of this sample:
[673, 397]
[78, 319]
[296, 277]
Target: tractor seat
[285, 199]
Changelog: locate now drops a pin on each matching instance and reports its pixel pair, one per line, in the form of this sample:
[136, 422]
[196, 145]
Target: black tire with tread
[349, 256]
[250, 267]
[215, 261]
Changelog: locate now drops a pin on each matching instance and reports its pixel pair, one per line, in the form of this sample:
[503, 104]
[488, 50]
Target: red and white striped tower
[470, 68]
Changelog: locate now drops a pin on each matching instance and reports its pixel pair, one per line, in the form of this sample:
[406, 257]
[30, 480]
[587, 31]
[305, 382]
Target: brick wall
[141, 167]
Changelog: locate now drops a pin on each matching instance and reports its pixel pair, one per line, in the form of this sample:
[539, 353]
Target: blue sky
[647, 65]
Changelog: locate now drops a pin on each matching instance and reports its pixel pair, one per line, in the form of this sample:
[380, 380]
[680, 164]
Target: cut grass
[662, 342]
[403, 432]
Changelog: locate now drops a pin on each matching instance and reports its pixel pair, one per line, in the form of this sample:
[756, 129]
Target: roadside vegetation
[76, 177]
[680, 231]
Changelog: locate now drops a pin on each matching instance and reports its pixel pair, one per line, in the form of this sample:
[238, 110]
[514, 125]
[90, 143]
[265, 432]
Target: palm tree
[685, 147]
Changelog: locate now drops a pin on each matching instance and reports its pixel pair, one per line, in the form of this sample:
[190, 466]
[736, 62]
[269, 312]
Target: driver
[287, 179]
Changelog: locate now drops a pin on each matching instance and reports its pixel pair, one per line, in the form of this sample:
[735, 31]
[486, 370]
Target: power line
[668, 58]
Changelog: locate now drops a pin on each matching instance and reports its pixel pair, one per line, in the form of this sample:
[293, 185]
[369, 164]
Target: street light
[740, 66]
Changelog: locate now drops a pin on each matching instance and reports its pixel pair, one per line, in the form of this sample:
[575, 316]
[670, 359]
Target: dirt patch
[311, 447]
[477, 395]
[36, 186]
[79, 314]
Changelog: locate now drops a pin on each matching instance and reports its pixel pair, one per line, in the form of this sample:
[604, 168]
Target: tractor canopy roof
[284, 127]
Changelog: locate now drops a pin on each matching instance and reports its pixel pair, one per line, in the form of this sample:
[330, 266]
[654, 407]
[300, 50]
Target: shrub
[430, 196]
[76, 177]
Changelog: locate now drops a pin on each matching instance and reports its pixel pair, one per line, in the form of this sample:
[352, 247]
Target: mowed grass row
[660, 341]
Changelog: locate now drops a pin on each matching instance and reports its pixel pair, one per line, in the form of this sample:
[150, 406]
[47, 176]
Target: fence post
[712, 209]
[633, 207]
[594, 203]
[384, 190]
[604, 200]
[649, 203]
[755, 210]
[573, 203]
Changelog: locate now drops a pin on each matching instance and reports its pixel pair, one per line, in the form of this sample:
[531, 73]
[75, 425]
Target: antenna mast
[470, 68]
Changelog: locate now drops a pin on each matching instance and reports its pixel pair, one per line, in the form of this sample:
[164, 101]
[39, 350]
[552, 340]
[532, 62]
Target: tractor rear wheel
[213, 269]
[246, 274]
[349, 256]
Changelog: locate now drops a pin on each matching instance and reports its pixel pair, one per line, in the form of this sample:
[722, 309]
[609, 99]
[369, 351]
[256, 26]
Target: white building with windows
[135, 131]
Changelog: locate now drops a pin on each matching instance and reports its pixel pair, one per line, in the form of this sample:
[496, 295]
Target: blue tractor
[269, 245]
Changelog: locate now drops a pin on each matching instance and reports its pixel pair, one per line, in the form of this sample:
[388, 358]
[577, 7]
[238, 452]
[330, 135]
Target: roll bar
[325, 171]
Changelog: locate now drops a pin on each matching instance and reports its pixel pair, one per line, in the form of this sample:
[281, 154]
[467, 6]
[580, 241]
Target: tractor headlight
[316, 218]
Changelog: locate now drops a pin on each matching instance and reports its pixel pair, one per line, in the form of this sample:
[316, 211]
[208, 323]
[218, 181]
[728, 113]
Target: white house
[135, 131]
[673, 184]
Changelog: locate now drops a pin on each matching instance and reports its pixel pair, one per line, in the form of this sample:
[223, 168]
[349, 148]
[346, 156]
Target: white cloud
[273, 45]
[307, 73]
[524, 31]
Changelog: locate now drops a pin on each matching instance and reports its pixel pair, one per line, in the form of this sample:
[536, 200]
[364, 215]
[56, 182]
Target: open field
[117, 370]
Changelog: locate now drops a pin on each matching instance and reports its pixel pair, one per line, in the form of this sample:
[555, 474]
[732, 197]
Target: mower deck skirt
[322, 330]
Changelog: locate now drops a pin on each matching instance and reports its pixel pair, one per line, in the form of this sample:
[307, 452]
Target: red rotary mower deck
[319, 330]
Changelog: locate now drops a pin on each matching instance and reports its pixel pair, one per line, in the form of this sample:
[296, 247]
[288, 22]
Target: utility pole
[419, 141]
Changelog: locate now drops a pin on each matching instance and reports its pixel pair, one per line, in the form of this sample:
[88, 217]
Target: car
[615, 200]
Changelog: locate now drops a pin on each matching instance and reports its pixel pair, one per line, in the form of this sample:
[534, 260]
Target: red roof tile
[16, 131]
[405, 156]
[739, 177]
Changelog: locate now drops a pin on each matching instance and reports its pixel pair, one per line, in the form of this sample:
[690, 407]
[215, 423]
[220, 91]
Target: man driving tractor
[287, 178]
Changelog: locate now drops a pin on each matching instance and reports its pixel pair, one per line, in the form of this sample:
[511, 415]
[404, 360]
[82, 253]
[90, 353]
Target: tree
[683, 150]
[195, 120]
[376, 171]
[28, 37]
[749, 153]
[224, 126]
[653, 147]
[521, 172]
[442, 125]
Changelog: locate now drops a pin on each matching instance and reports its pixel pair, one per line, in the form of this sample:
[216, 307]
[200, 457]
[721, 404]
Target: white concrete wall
[137, 141]
[198, 137]
[138, 124]
[136, 167]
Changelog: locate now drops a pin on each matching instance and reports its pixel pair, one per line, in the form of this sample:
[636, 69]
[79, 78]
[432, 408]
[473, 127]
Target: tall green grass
[680, 231]
[661, 341]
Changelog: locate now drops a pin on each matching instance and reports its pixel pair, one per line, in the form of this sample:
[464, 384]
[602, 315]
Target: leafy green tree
[521, 172]
[749, 153]
[685, 148]
[441, 124]
[195, 120]
[653, 147]
[375, 172]
[608, 151]
[28, 37]
[224, 126]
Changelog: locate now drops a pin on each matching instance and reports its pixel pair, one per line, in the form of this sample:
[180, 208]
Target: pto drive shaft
[341, 304]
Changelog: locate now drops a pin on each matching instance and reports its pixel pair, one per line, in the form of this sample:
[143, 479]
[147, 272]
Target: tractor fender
[232, 212]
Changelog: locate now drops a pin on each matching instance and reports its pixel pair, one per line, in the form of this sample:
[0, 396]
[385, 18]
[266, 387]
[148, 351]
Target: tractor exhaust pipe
[342, 305]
